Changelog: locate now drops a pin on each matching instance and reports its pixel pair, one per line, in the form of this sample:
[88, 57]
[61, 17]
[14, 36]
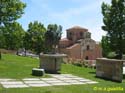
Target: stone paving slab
[64, 74]
[91, 82]
[64, 78]
[12, 82]
[15, 86]
[78, 78]
[58, 76]
[34, 82]
[33, 79]
[84, 80]
[57, 79]
[77, 83]
[39, 85]
[70, 81]
[68, 75]
[2, 80]
[63, 83]
[49, 79]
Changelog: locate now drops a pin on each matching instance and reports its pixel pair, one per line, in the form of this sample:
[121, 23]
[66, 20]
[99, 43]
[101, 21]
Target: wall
[109, 69]
[75, 51]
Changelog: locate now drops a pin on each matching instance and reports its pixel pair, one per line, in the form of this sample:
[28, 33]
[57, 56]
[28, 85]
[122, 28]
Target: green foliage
[52, 37]
[105, 46]
[114, 24]
[13, 35]
[26, 41]
[111, 55]
[35, 37]
[10, 10]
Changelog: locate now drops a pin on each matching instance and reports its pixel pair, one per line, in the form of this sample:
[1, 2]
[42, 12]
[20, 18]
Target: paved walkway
[57, 79]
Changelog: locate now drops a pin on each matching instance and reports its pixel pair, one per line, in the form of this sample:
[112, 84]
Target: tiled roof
[77, 27]
[73, 46]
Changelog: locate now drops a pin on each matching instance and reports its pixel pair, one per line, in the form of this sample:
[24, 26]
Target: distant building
[79, 45]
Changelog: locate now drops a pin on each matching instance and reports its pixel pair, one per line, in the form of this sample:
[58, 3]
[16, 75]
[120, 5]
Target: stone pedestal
[51, 63]
[109, 69]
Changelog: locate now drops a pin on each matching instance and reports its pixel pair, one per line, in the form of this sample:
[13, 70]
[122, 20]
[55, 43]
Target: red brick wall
[65, 43]
[75, 51]
[93, 54]
[98, 51]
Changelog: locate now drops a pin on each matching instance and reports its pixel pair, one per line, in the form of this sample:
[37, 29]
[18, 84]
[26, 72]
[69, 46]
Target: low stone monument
[109, 69]
[51, 63]
[38, 72]
[51, 60]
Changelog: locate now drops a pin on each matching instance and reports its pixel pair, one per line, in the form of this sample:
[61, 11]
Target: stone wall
[109, 69]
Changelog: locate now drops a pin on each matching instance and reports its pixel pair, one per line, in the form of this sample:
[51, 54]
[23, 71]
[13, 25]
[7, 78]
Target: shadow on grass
[106, 79]
[92, 72]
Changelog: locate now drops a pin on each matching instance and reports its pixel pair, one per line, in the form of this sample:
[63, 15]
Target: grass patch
[17, 67]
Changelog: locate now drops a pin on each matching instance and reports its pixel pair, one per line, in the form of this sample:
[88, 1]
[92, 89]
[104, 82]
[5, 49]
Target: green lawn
[17, 67]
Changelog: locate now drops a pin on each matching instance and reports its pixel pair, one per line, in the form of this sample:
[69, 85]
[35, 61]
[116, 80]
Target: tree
[105, 46]
[114, 24]
[52, 37]
[18, 35]
[13, 36]
[26, 41]
[10, 11]
[36, 32]
[2, 39]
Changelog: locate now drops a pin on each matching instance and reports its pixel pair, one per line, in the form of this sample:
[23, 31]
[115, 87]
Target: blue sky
[68, 13]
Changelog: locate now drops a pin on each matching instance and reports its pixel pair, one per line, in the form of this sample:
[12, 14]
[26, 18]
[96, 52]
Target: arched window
[81, 34]
[70, 35]
[87, 58]
[88, 47]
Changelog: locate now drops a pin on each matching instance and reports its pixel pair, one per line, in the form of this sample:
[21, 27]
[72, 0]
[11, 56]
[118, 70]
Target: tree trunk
[25, 52]
[17, 52]
[0, 55]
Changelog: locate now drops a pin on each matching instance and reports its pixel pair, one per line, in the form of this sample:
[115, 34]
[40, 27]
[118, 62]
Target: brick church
[79, 45]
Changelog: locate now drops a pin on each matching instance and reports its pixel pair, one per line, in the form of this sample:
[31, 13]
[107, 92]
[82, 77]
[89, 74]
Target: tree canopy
[35, 34]
[10, 10]
[12, 36]
[114, 24]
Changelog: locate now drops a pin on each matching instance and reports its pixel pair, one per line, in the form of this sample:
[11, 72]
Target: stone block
[51, 62]
[37, 72]
[111, 69]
